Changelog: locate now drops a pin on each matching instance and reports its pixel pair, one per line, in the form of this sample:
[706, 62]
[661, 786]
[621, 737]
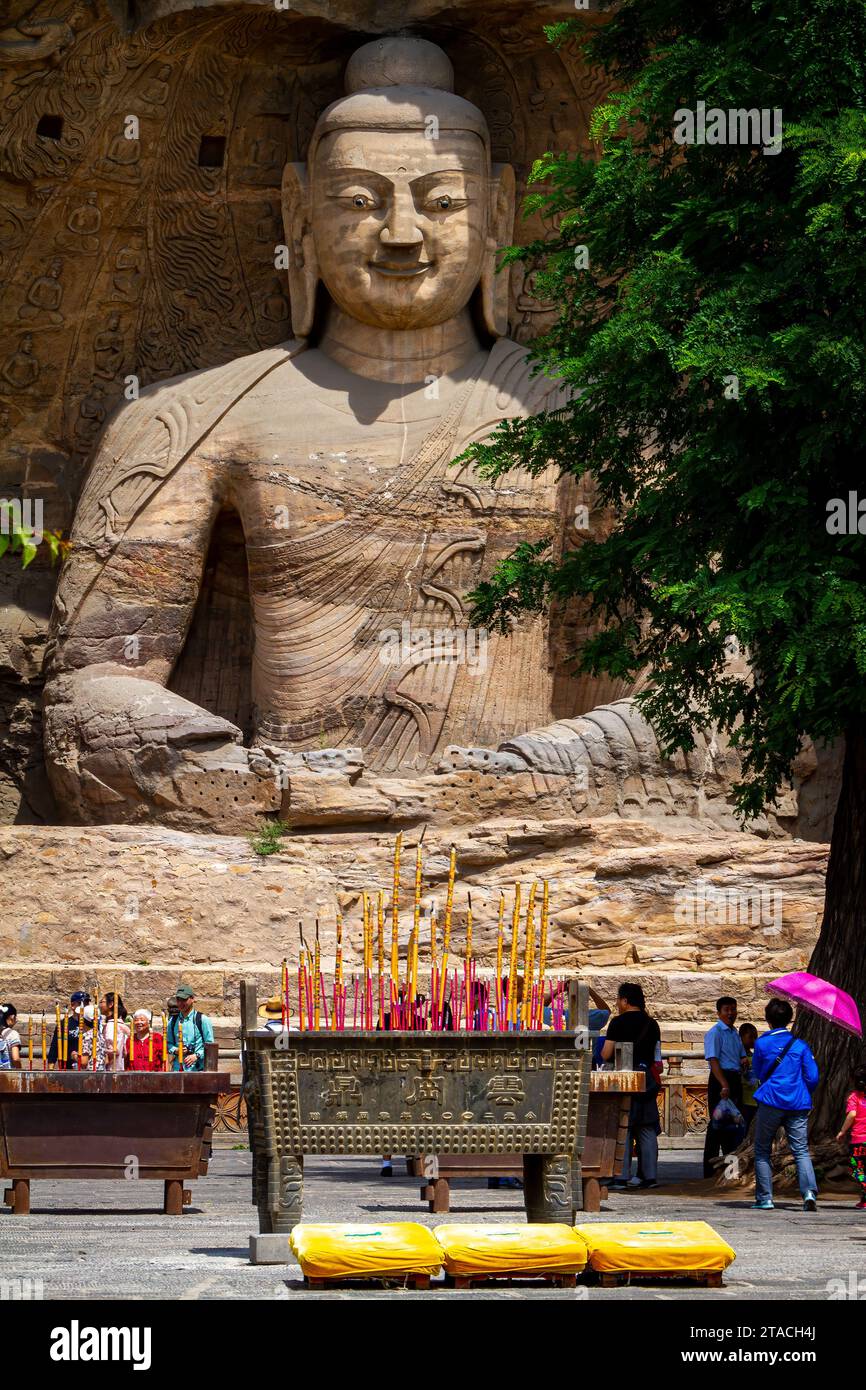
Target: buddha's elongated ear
[494, 287]
[303, 266]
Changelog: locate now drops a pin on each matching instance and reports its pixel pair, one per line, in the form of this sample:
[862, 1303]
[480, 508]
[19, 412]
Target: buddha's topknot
[399, 62]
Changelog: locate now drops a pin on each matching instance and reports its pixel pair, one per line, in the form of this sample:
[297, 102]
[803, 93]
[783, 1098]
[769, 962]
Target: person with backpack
[787, 1074]
[190, 1026]
[633, 1024]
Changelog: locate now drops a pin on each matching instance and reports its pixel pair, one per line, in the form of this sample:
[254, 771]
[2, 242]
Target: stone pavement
[93, 1240]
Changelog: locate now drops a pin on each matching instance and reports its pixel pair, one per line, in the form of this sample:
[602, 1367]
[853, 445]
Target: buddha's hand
[120, 748]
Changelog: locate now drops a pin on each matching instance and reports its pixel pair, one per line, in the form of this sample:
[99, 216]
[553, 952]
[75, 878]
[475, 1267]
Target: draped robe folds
[360, 599]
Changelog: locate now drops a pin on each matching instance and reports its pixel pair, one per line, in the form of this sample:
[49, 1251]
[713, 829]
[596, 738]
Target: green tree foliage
[20, 539]
[716, 348]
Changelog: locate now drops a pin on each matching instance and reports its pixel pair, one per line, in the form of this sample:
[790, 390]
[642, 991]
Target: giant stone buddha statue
[336, 451]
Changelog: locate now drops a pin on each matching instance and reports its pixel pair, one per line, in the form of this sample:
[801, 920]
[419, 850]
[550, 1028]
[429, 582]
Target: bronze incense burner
[414, 1092]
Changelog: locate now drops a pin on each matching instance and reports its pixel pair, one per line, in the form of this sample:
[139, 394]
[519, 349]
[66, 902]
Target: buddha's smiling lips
[401, 272]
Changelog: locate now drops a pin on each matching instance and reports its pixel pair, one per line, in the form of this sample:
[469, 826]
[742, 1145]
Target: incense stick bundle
[317, 981]
[395, 918]
[512, 971]
[528, 960]
[542, 951]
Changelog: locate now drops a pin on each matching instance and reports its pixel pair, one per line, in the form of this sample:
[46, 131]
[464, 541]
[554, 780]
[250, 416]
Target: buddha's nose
[401, 228]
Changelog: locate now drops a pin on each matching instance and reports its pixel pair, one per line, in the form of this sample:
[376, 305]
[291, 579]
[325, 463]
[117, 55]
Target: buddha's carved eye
[443, 203]
[360, 201]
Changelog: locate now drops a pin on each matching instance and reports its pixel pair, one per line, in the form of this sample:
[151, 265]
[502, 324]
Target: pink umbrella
[821, 997]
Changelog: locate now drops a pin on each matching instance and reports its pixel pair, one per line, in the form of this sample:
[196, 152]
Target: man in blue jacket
[788, 1074]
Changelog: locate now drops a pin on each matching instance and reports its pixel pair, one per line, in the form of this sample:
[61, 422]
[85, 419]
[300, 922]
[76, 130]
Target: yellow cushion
[482, 1249]
[339, 1250]
[649, 1245]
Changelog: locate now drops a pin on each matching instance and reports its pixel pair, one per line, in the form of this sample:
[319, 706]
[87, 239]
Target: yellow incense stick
[149, 1046]
[164, 1043]
[412, 971]
[317, 982]
[497, 993]
[512, 971]
[395, 914]
[449, 901]
[30, 1043]
[338, 962]
[57, 1035]
[542, 950]
[469, 928]
[529, 958]
[366, 930]
[380, 922]
[95, 1027]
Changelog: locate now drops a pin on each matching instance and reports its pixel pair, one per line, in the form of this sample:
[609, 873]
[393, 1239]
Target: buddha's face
[400, 223]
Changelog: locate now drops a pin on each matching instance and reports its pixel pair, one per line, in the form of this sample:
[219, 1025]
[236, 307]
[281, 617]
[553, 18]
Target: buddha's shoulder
[515, 383]
[194, 400]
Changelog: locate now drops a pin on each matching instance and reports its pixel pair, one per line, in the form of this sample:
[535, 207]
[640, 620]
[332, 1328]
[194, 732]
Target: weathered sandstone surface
[690, 911]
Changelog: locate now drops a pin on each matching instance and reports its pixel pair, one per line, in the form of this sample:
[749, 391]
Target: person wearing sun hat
[197, 1032]
[271, 1012]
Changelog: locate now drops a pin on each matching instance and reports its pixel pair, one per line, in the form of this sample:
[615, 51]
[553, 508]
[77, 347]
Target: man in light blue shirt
[195, 1029]
[725, 1054]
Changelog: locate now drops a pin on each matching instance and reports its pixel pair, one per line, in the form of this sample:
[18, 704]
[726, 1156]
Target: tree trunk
[840, 952]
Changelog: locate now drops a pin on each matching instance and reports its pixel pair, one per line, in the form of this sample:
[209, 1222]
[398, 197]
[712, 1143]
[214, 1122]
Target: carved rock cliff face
[124, 262]
[690, 912]
[154, 256]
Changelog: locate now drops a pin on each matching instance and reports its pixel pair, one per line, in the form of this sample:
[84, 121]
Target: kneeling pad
[338, 1250]
[482, 1249]
[654, 1245]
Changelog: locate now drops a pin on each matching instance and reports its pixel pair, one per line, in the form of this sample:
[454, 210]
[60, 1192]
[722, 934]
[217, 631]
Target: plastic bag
[485, 1249]
[655, 1245]
[727, 1116]
[338, 1250]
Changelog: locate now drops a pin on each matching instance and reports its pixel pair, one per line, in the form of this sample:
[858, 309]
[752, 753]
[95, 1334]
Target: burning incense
[380, 923]
[542, 950]
[30, 1042]
[449, 901]
[512, 971]
[416, 925]
[149, 1044]
[395, 916]
[338, 960]
[164, 1043]
[57, 1036]
[62, 1044]
[95, 1027]
[528, 960]
[498, 985]
[317, 982]
[44, 1046]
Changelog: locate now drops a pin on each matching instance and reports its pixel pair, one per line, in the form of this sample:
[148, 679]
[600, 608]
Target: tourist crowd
[124, 1041]
[757, 1085]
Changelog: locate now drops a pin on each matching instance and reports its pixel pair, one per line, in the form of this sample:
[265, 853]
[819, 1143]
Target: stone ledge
[154, 906]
